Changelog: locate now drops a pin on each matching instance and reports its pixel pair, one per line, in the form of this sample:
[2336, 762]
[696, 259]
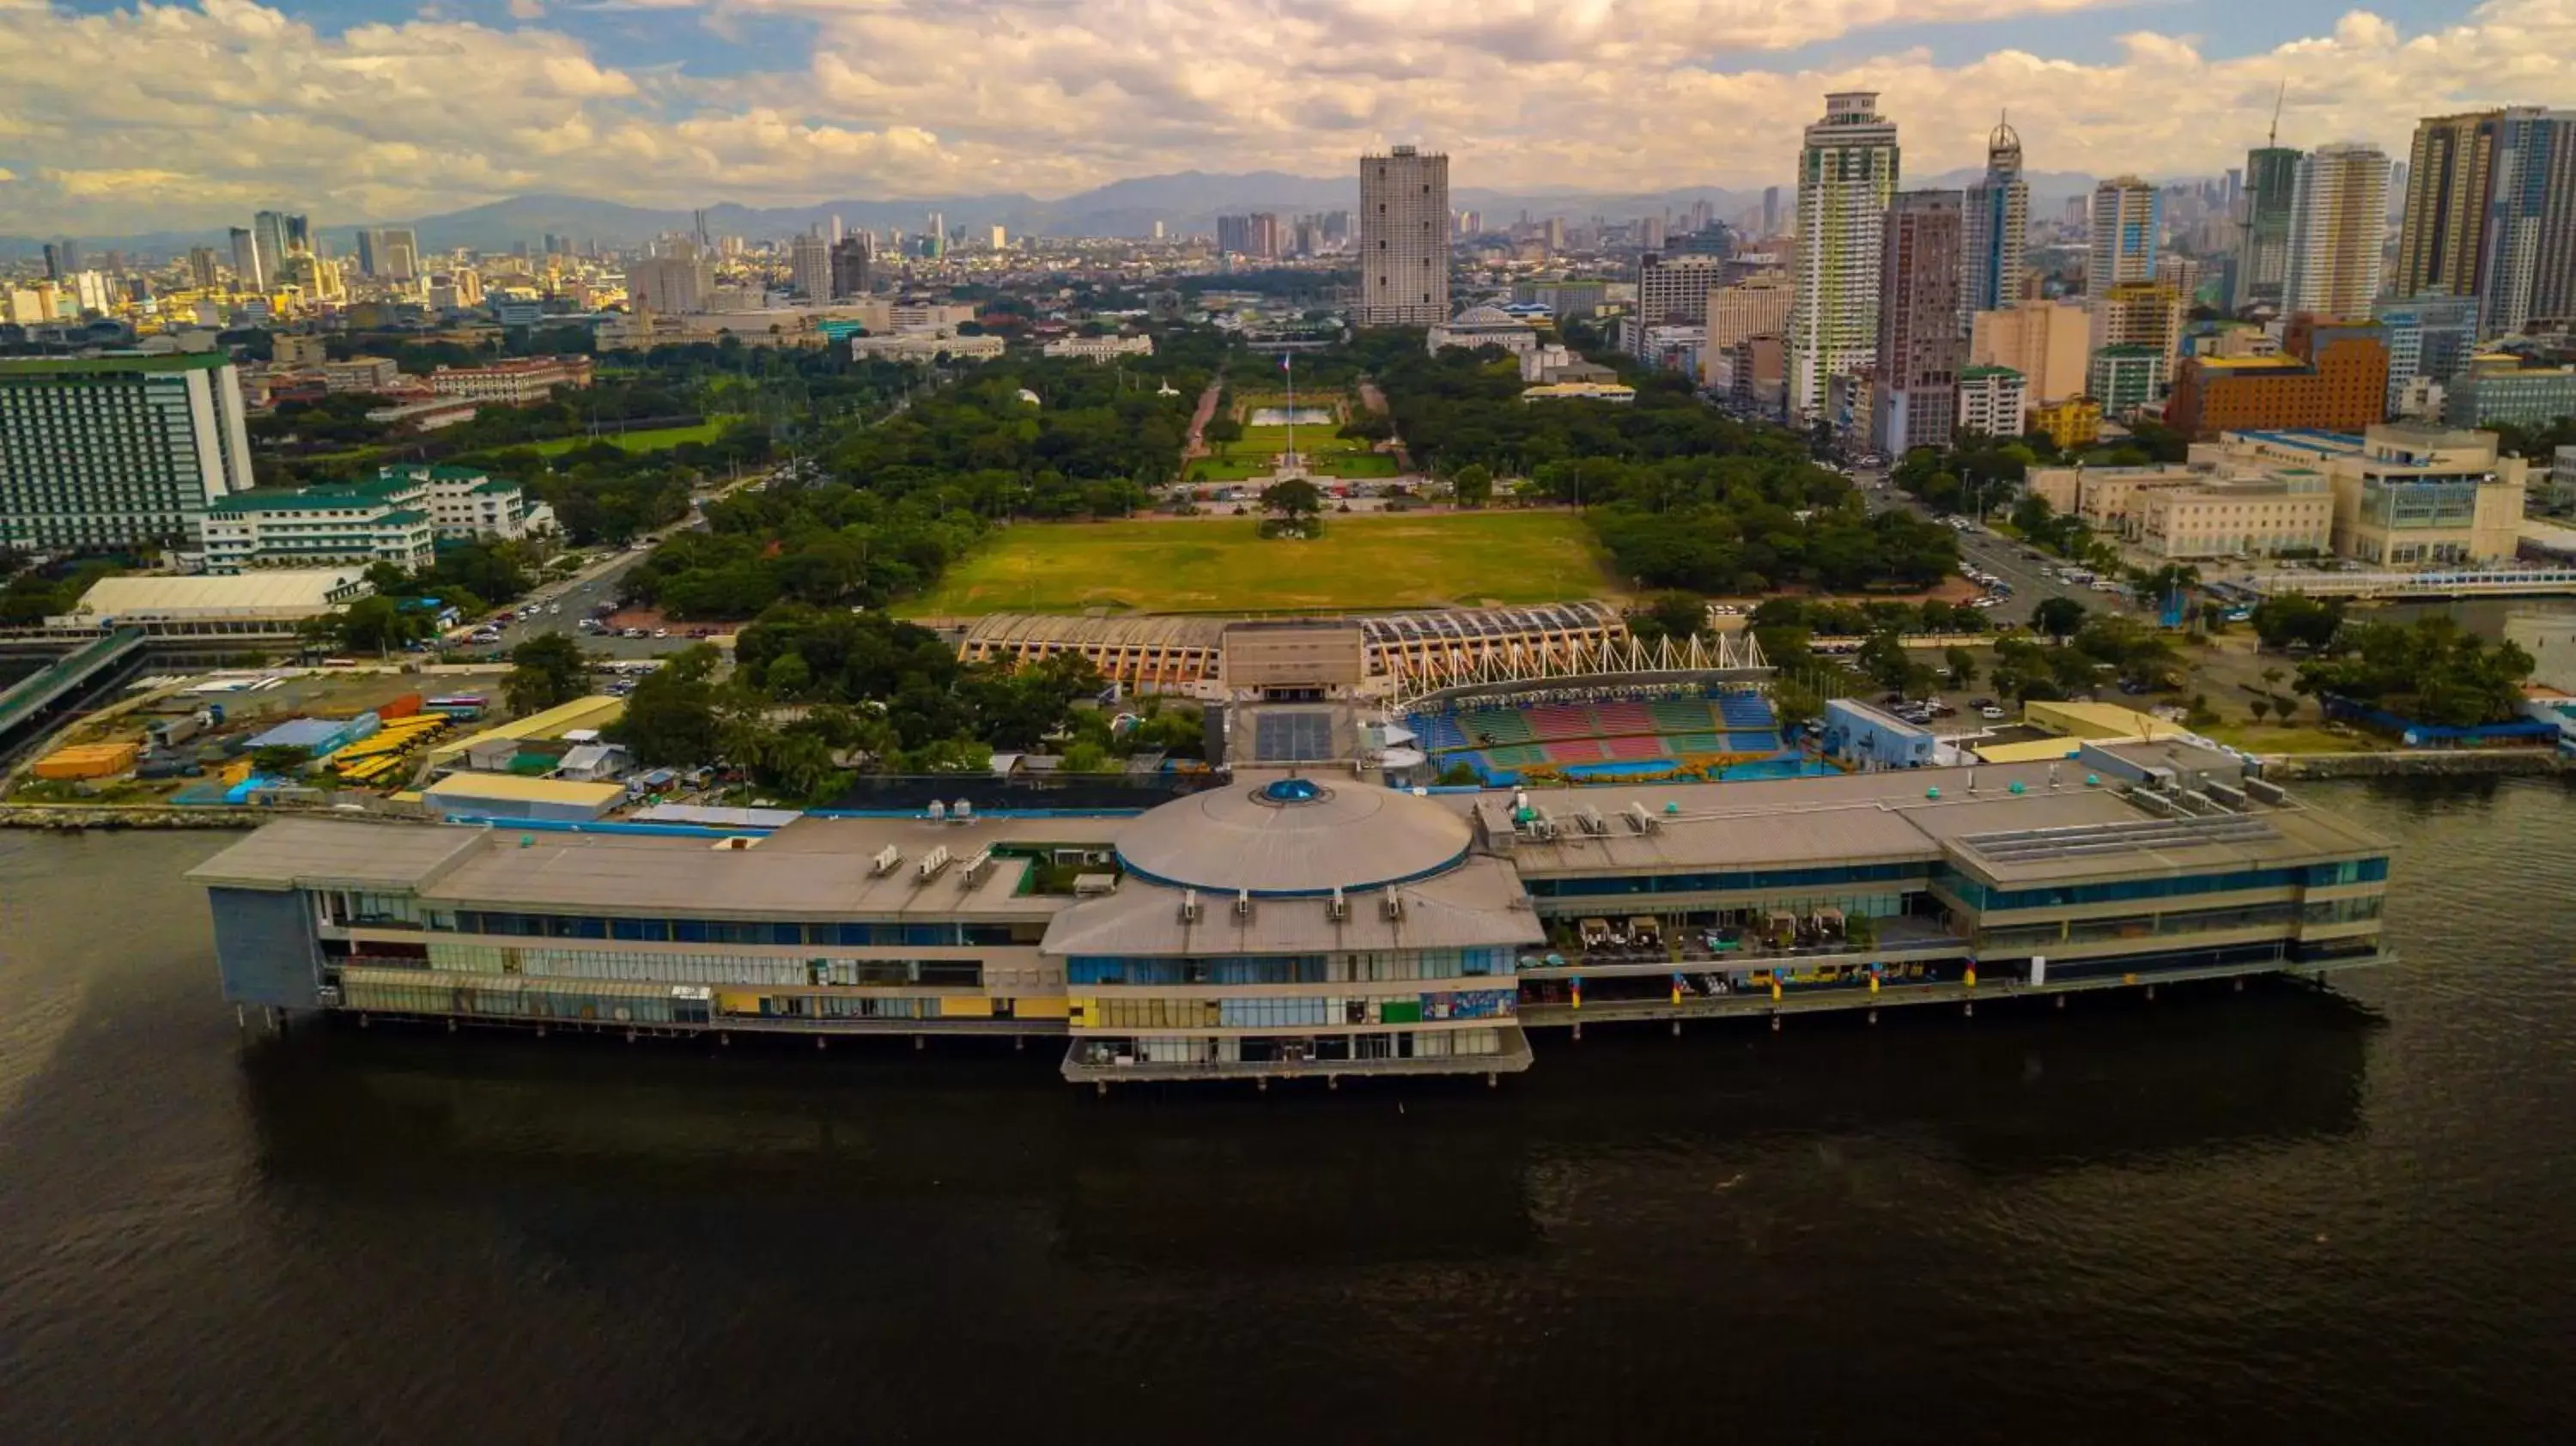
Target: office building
[248, 274]
[669, 285]
[1922, 346]
[2407, 494]
[2126, 380]
[1758, 305]
[851, 258]
[203, 273]
[515, 382]
[1994, 230]
[2331, 376]
[2263, 255]
[117, 451]
[2046, 341]
[809, 267]
[2491, 213]
[2500, 390]
[370, 251]
[1673, 291]
[1847, 173]
[2126, 215]
[2430, 337]
[2285, 512]
[2140, 314]
[397, 516]
[1993, 401]
[1404, 239]
[2338, 221]
[1770, 212]
[397, 254]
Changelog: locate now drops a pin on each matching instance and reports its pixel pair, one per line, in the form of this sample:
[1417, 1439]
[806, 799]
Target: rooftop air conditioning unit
[932, 862]
[1339, 908]
[977, 867]
[1393, 906]
[1243, 903]
[1189, 906]
[1640, 820]
[886, 860]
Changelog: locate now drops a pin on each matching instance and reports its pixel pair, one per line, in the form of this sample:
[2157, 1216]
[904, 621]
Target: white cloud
[182, 114]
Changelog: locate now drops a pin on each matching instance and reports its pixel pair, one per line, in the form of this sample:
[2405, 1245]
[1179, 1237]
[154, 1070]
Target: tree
[2259, 708]
[1459, 775]
[671, 718]
[2058, 617]
[1962, 665]
[278, 759]
[1222, 432]
[1796, 704]
[1296, 508]
[1473, 484]
[2297, 618]
[380, 624]
[544, 671]
[1678, 615]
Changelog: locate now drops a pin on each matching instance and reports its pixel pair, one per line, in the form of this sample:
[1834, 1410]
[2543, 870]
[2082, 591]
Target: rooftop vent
[1393, 905]
[1243, 903]
[1339, 908]
[2263, 790]
[932, 862]
[1189, 906]
[886, 860]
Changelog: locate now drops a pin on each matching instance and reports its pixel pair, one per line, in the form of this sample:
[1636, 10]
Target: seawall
[2508, 762]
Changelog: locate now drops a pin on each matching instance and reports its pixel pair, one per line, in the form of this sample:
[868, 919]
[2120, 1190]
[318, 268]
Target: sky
[123, 118]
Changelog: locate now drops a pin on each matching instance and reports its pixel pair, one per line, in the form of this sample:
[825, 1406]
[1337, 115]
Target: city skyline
[187, 114]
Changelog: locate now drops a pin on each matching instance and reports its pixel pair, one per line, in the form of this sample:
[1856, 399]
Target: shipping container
[403, 707]
[87, 760]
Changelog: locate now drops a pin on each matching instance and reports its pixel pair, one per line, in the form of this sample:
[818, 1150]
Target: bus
[461, 706]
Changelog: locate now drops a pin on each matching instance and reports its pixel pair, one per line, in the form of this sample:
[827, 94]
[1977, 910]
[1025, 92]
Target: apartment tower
[1404, 239]
[1846, 178]
[1994, 229]
[2338, 219]
[1922, 346]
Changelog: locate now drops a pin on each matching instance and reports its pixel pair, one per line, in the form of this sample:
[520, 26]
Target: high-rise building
[247, 272]
[1846, 177]
[2140, 314]
[2430, 338]
[936, 242]
[1234, 235]
[2338, 219]
[398, 254]
[669, 284]
[2449, 171]
[117, 451]
[1673, 291]
[850, 260]
[1994, 229]
[62, 260]
[268, 229]
[1755, 306]
[370, 254]
[809, 266]
[2263, 250]
[1404, 239]
[201, 267]
[1922, 344]
[1770, 212]
[2126, 214]
[1261, 236]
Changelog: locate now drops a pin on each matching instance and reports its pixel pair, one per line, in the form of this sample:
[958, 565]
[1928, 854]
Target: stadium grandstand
[1612, 712]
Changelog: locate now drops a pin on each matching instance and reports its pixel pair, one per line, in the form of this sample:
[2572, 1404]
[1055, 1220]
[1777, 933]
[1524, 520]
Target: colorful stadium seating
[1636, 745]
[1502, 741]
[1679, 715]
[1575, 750]
[1620, 719]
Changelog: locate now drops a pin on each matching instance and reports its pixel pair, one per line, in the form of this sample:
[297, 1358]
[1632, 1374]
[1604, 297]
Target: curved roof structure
[1293, 836]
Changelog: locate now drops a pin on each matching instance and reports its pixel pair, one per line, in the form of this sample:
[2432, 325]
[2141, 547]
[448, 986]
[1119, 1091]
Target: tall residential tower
[1404, 239]
[1922, 345]
[2338, 218]
[1846, 177]
[1994, 229]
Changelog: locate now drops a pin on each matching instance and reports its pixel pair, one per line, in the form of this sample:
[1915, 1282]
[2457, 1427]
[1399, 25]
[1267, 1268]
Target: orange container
[87, 760]
[402, 707]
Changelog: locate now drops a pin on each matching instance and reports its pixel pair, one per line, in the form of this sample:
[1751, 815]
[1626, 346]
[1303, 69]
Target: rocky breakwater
[2421, 763]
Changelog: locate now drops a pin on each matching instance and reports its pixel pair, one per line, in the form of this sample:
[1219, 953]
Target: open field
[652, 440]
[1238, 467]
[1313, 441]
[1224, 565]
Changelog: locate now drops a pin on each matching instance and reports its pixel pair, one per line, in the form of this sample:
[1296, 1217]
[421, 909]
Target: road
[562, 605]
[1990, 552]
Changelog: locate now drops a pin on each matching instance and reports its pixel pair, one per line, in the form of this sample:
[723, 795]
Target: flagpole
[1285, 365]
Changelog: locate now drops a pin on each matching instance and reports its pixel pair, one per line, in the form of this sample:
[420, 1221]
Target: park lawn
[1313, 441]
[655, 439]
[1375, 560]
[1346, 465]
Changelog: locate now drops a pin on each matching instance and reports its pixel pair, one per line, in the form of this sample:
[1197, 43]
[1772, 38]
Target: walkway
[1196, 445]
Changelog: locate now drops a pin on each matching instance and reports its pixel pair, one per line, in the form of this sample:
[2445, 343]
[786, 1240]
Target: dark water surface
[2284, 1215]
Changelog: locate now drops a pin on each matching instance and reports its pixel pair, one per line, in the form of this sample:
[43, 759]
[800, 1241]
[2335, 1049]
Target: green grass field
[1372, 560]
[1313, 441]
[1341, 464]
[654, 440]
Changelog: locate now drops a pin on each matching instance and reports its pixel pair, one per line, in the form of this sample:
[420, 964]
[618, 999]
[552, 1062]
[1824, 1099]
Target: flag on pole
[1283, 361]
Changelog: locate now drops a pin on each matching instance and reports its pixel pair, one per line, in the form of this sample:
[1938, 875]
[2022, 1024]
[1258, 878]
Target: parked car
[1990, 712]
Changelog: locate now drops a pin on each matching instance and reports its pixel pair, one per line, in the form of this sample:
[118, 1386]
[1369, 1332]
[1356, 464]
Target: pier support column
[2240, 983]
[2151, 991]
[820, 1041]
[1261, 1084]
[1493, 1080]
[630, 1036]
[451, 1026]
[1332, 1082]
[541, 1031]
[1019, 1043]
[1969, 1009]
[919, 1044]
[364, 1021]
[724, 1039]
[1775, 1024]
[1677, 1029]
[1578, 1030]
[1102, 1087]
[241, 1017]
[2061, 1001]
[1873, 1016]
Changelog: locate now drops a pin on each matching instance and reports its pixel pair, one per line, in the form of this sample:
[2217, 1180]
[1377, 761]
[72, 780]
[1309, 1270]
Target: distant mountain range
[1186, 203]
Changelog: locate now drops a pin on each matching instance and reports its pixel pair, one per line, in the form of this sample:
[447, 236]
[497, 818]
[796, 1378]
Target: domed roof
[1293, 836]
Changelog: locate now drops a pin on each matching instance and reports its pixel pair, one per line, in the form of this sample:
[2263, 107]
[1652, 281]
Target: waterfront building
[2407, 494]
[2331, 376]
[1847, 174]
[1921, 347]
[1404, 239]
[2046, 341]
[117, 451]
[1279, 925]
[1994, 230]
[2263, 255]
[2338, 223]
[1992, 401]
[267, 607]
[2500, 390]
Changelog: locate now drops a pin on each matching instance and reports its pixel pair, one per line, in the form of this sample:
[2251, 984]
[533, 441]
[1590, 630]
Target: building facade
[809, 267]
[2338, 225]
[1993, 401]
[2442, 243]
[2430, 337]
[339, 523]
[1846, 176]
[2500, 391]
[2140, 314]
[2263, 253]
[2126, 215]
[2046, 341]
[1921, 348]
[2407, 494]
[2126, 380]
[118, 451]
[1994, 230]
[1404, 239]
[513, 383]
[1674, 290]
[2332, 377]
[1277, 926]
[2287, 513]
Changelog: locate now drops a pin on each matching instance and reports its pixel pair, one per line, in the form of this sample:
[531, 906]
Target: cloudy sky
[119, 118]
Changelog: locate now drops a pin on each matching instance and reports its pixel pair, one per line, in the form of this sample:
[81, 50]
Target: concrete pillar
[1969, 1009]
[1677, 1029]
[1775, 1024]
